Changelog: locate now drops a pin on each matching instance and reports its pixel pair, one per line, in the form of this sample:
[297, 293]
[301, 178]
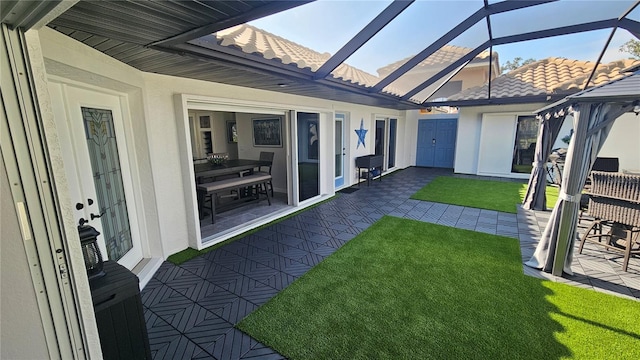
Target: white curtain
[536, 198]
[591, 124]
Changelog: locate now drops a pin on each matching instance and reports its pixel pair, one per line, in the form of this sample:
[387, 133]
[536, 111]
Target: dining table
[233, 166]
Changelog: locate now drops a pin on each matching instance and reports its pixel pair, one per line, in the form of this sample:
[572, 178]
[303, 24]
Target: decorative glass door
[107, 179]
[91, 126]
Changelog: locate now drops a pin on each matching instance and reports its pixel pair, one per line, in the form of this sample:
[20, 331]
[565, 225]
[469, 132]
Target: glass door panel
[393, 129]
[339, 149]
[107, 178]
[308, 155]
[525, 144]
[380, 135]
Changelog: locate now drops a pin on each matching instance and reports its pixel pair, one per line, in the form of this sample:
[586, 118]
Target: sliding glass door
[385, 140]
[339, 150]
[393, 130]
[308, 131]
[380, 137]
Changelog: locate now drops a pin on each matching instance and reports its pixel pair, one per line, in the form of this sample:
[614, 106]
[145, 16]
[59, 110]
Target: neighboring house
[475, 73]
[498, 140]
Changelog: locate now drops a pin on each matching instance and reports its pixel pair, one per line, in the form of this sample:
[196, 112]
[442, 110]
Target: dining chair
[266, 156]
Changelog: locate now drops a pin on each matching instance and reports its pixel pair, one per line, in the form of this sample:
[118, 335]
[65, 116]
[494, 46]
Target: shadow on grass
[405, 289]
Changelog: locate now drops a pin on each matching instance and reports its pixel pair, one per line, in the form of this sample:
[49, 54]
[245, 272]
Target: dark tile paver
[191, 309]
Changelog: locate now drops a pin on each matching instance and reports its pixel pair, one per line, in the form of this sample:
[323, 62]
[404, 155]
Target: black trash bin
[119, 314]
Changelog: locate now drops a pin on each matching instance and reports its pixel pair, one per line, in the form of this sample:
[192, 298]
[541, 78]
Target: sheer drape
[535, 198]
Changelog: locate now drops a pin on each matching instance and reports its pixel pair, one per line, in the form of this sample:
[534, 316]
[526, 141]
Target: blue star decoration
[361, 134]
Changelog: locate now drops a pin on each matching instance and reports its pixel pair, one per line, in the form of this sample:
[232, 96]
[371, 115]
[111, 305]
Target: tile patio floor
[191, 309]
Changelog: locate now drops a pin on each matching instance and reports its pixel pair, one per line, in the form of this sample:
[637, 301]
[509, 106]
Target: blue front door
[436, 143]
[426, 143]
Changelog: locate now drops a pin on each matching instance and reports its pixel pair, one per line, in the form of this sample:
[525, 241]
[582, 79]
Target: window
[525, 144]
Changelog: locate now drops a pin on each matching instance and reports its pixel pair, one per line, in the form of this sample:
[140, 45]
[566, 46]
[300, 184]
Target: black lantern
[90, 251]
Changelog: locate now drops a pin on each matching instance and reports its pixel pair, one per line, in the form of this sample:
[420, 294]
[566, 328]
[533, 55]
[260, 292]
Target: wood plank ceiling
[150, 36]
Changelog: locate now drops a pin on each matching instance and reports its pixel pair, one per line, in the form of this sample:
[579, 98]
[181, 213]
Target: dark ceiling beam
[567, 30]
[379, 22]
[290, 72]
[452, 34]
[600, 56]
[246, 61]
[631, 26]
[451, 67]
[253, 14]
[490, 32]
[499, 101]
[606, 45]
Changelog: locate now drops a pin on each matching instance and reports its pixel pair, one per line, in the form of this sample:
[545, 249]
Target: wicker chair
[615, 204]
[608, 164]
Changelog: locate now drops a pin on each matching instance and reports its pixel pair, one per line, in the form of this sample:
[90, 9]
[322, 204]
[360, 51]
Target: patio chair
[608, 164]
[614, 202]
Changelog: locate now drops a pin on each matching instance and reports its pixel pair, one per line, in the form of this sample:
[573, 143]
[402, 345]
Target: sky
[326, 25]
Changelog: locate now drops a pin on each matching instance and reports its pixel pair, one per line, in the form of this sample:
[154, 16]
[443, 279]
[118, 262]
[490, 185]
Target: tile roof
[442, 57]
[253, 40]
[548, 76]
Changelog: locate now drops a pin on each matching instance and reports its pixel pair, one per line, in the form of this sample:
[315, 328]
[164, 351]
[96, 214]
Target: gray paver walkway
[191, 309]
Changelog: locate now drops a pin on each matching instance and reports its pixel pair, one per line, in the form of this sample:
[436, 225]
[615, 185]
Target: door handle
[94, 216]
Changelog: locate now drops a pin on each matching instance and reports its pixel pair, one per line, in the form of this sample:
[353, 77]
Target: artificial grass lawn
[405, 289]
[483, 194]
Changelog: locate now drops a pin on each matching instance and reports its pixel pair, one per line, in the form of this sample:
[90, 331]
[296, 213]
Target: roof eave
[499, 101]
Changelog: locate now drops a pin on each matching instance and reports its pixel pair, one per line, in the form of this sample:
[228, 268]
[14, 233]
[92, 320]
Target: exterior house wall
[70, 62]
[623, 142]
[159, 149]
[21, 331]
[472, 76]
[411, 136]
[476, 148]
[471, 138]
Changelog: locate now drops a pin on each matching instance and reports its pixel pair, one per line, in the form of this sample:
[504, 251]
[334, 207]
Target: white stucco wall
[471, 138]
[159, 145]
[410, 135]
[624, 142]
[71, 62]
[475, 150]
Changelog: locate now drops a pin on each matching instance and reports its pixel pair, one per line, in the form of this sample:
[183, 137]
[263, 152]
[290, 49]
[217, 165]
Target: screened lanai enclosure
[315, 70]
[392, 54]
[396, 54]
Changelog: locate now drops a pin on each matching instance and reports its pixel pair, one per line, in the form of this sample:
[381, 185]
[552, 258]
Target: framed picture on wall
[205, 122]
[267, 132]
[232, 132]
